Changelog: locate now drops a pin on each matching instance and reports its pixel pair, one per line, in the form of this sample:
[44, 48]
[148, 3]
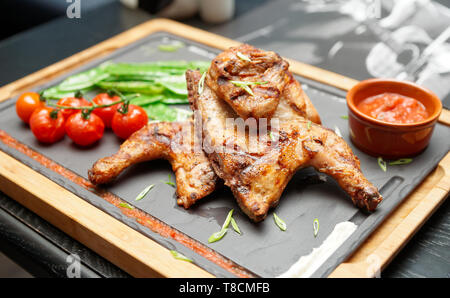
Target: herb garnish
[402, 161]
[316, 226]
[179, 256]
[243, 57]
[344, 117]
[245, 85]
[219, 235]
[235, 226]
[144, 192]
[172, 47]
[169, 182]
[125, 205]
[308, 125]
[201, 83]
[280, 223]
[382, 164]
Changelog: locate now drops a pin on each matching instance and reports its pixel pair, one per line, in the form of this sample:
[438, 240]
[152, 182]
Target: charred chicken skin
[258, 177]
[173, 141]
[257, 171]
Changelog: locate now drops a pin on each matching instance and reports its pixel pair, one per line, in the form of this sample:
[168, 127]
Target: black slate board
[262, 248]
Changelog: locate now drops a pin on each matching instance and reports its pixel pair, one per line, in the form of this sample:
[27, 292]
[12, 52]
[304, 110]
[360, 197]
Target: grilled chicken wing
[173, 141]
[250, 65]
[257, 177]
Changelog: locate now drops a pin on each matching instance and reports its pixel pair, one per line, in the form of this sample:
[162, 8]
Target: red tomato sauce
[394, 108]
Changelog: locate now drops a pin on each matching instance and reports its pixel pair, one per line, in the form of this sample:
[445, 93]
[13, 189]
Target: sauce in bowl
[394, 108]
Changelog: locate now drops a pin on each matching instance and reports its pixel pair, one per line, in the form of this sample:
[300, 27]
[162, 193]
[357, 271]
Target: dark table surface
[43, 250]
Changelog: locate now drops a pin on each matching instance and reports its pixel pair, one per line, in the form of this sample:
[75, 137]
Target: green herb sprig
[169, 182]
[219, 235]
[180, 256]
[235, 226]
[126, 205]
[144, 192]
[243, 57]
[201, 83]
[280, 223]
[316, 226]
[245, 85]
[402, 161]
[382, 164]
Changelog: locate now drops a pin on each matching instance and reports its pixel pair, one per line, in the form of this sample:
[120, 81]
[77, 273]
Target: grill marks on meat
[173, 141]
[295, 103]
[264, 66]
[258, 175]
[257, 179]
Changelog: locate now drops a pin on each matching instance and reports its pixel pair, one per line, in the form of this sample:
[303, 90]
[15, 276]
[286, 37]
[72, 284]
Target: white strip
[130, 3]
[307, 265]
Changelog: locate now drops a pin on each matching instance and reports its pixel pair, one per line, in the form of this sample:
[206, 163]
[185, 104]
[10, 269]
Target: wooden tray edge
[134, 252]
[407, 218]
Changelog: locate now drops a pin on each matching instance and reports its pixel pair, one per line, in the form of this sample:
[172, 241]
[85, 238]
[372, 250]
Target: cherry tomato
[47, 124]
[84, 131]
[124, 125]
[72, 102]
[26, 104]
[106, 113]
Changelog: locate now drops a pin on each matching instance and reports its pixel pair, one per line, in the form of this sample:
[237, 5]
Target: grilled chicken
[263, 71]
[257, 175]
[173, 141]
[295, 104]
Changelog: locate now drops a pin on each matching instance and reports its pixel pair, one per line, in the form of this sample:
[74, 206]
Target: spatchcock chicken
[247, 84]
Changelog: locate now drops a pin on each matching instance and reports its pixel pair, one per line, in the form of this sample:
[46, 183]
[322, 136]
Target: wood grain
[123, 246]
[139, 255]
[386, 241]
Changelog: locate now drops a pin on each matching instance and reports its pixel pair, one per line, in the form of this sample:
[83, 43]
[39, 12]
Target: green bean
[162, 112]
[83, 80]
[133, 86]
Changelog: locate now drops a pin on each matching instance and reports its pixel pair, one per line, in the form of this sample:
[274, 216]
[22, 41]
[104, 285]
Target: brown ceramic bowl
[385, 139]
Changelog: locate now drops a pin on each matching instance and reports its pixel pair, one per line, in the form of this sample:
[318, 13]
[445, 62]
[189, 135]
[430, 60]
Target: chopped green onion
[402, 161]
[382, 164]
[248, 90]
[243, 57]
[280, 223]
[125, 205]
[337, 131]
[217, 236]
[308, 125]
[179, 256]
[227, 220]
[144, 192]
[243, 83]
[316, 226]
[173, 47]
[235, 226]
[201, 83]
[169, 182]
[344, 117]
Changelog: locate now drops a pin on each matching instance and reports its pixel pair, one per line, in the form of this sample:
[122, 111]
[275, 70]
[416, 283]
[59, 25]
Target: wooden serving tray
[142, 257]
